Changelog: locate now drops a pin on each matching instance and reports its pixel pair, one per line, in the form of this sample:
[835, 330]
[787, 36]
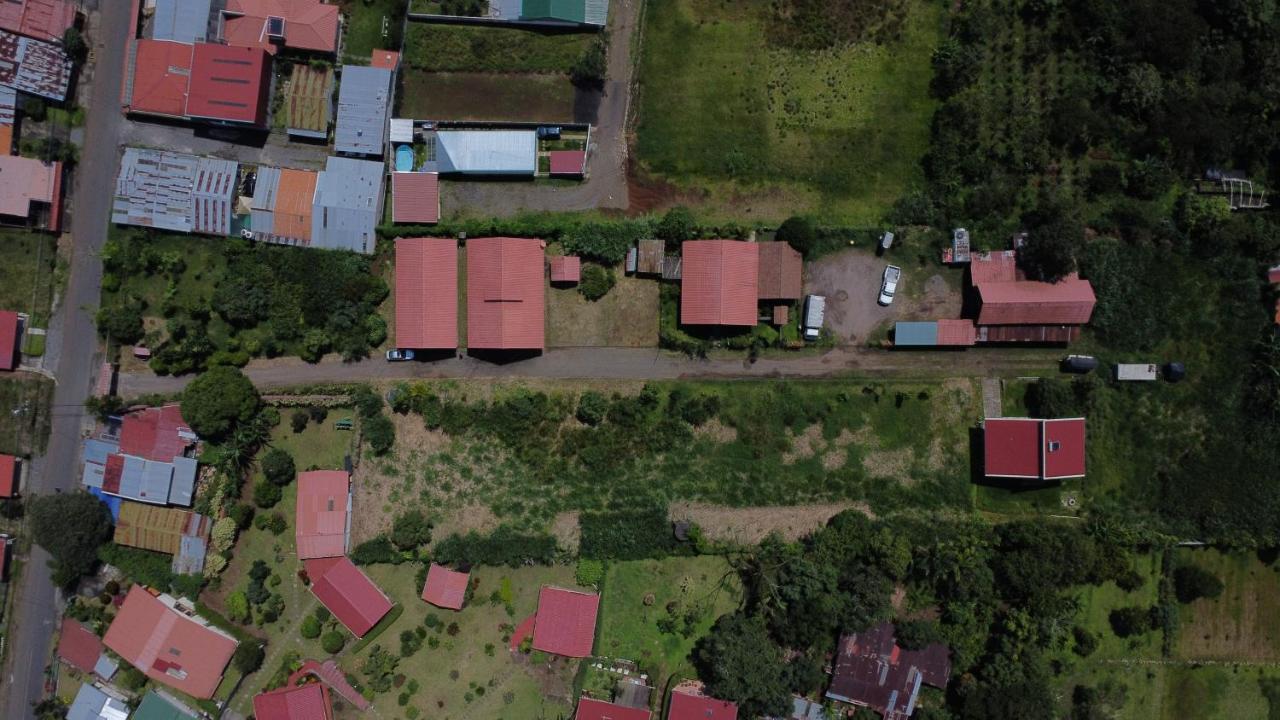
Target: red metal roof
[161, 76]
[304, 702]
[40, 19]
[781, 272]
[568, 162]
[591, 709]
[78, 646]
[321, 514]
[230, 83]
[8, 476]
[566, 268]
[155, 433]
[167, 646]
[566, 622]
[385, 59]
[427, 293]
[872, 669]
[1001, 266]
[956, 332]
[505, 294]
[348, 593]
[1067, 302]
[1033, 448]
[415, 197]
[8, 340]
[720, 283]
[445, 588]
[687, 705]
[308, 24]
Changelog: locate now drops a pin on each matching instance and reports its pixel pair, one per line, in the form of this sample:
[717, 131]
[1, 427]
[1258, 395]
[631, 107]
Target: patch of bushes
[504, 546]
[596, 281]
[627, 535]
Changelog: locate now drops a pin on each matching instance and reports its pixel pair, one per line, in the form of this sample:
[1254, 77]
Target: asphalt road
[73, 342]
[606, 183]
[627, 364]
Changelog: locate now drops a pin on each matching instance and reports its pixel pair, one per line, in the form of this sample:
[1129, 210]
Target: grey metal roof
[173, 191]
[505, 9]
[181, 20]
[146, 481]
[596, 12]
[96, 451]
[190, 557]
[105, 668]
[34, 66]
[364, 98]
[348, 205]
[907, 334]
[487, 152]
[8, 105]
[93, 704]
[183, 486]
[262, 211]
[92, 476]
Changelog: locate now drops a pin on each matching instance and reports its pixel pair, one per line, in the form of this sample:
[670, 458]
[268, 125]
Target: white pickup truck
[889, 284]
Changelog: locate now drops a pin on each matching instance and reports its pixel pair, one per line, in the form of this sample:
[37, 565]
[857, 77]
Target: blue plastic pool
[404, 159]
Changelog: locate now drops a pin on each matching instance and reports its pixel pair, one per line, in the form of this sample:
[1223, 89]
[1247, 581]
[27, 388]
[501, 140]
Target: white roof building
[487, 152]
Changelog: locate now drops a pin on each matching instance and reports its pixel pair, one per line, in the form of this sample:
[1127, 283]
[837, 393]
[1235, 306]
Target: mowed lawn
[27, 274]
[1241, 624]
[363, 31]
[840, 131]
[626, 317]
[706, 586]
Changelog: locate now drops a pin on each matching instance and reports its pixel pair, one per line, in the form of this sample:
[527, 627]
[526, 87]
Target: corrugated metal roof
[415, 197]
[956, 332]
[1067, 302]
[34, 66]
[159, 529]
[96, 451]
[78, 646]
[282, 205]
[915, 334]
[565, 623]
[8, 113]
[426, 293]
[181, 20]
[303, 702]
[401, 130]
[308, 24]
[231, 84]
[348, 205]
[321, 514]
[24, 181]
[781, 272]
[160, 78]
[364, 98]
[155, 707]
[505, 294]
[568, 162]
[9, 323]
[93, 704]
[696, 706]
[348, 593]
[592, 709]
[719, 283]
[487, 152]
[40, 19]
[999, 266]
[595, 12]
[182, 487]
[445, 588]
[262, 209]
[173, 191]
[566, 268]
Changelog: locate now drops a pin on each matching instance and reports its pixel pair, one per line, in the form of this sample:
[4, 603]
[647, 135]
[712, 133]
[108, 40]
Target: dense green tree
[677, 225]
[380, 432]
[70, 526]
[1055, 233]
[596, 281]
[739, 662]
[121, 321]
[799, 233]
[1129, 621]
[410, 529]
[332, 642]
[592, 407]
[248, 657]
[219, 400]
[310, 628]
[277, 465]
[1191, 582]
[266, 494]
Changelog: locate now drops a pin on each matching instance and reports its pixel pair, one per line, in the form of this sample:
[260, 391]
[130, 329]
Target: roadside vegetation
[28, 277]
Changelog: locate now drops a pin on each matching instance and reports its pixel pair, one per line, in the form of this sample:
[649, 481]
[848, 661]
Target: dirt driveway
[850, 280]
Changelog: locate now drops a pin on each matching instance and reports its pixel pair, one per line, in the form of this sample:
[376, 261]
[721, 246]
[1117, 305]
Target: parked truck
[889, 284]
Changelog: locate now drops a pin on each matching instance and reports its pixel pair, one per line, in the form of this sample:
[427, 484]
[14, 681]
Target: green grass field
[25, 432]
[1241, 624]
[27, 277]
[839, 132]
[453, 48]
[363, 31]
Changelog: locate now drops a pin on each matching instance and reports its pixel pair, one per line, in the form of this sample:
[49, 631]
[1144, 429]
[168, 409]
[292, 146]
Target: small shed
[401, 130]
[650, 257]
[1136, 372]
[566, 269]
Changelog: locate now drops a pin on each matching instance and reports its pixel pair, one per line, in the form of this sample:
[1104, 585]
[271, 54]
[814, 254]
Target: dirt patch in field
[1243, 623]
[566, 530]
[749, 526]
[803, 446]
[892, 464]
[717, 431]
[495, 96]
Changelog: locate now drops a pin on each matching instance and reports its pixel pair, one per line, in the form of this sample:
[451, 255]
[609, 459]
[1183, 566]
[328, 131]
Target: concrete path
[992, 398]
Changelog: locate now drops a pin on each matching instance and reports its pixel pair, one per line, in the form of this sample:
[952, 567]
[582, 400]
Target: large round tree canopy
[216, 401]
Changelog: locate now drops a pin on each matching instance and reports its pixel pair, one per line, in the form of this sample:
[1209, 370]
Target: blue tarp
[915, 334]
[112, 502]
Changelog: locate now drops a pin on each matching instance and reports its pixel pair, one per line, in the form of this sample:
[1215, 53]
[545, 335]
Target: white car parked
[889, 284]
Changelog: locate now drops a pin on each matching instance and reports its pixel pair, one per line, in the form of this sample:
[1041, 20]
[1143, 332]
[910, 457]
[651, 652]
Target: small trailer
[1137, 372]
[815, 309]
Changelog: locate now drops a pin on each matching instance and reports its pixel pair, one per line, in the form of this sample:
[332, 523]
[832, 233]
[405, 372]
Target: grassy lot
[471, 673]
[456, 48]
[487, 96]
[26, 432]
[771, 444]
[626, 317]
[27, 277]
[1241, 624]
[364, 27]
[705, 586]
[838, 131]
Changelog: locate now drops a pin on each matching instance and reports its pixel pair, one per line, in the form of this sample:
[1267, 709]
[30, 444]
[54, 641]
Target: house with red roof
[385, 60]
[309, 701]
[30, 192]
[348, 593]
[78, 646]
[566, 269]
[161, 77]
[873, 671]
[445, 588]
[505, 294]
[1033, 449]
[689, 702]
[229, 85]
[323, 513]
[1015, 309]
[565, 623]
[426, 293]
[592, 709]
[309, 25]
[44, 20]
[152, 462]
[10, 475]
[10, 329]
[719, 284]
[170, 643]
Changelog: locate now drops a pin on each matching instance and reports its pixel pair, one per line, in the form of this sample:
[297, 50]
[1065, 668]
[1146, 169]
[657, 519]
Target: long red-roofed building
[323, 509]
[229, 84]
[304, 25]
[168, 646]
[689, 702]
[427, 293]
[592, 709]
[1034, 449]
[505, 294]
[720, 282]
[10, 471]
[309, 701]
[566, 622]
[78, 646]
[348, 593]
[9, 324]
[39, 19]
[445, 588]
[1008, 298]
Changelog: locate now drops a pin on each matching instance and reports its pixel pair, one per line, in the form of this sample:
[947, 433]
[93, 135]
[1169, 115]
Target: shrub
[410, 530]
[333, 642]
[1129, 621]
[318, 413]
[248, 657]
[242, 514]
[1085, 642]
[504, 546]
[589, 572]
[592, 67]
[592, 407]
[266, 494]
[298, 420]
[310, 628]
[375, 550]
[677, 225]
[278, 466]
[131, 679]
[596, 282]
[237, 606]
[380, 432]
[799, 233]
[217, 401]
[1191, 583]
[627, 535]
[277, 524]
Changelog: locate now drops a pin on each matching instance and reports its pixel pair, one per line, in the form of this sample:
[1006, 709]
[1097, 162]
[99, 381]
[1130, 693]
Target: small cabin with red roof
[348, 593]
[566, 622]
[445, 588]
[592, 709]
[309, 701]
[10, 474]
[690, 702]
[1033, 449]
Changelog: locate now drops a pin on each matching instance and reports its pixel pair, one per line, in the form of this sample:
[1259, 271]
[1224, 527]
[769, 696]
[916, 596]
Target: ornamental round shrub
[332, 642]
[310, 627]
[596, 282]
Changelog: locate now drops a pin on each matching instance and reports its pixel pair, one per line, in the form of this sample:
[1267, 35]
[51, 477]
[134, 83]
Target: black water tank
[1079, 363]
[1174, 371]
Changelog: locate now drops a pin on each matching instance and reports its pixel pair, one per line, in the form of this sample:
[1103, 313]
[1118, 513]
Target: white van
[815, 309]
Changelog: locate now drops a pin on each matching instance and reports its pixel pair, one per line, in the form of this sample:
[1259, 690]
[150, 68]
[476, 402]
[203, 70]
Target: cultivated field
[455, 48]
[1244, 622]
[761, 128]
[490, 96]
[366, 22]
